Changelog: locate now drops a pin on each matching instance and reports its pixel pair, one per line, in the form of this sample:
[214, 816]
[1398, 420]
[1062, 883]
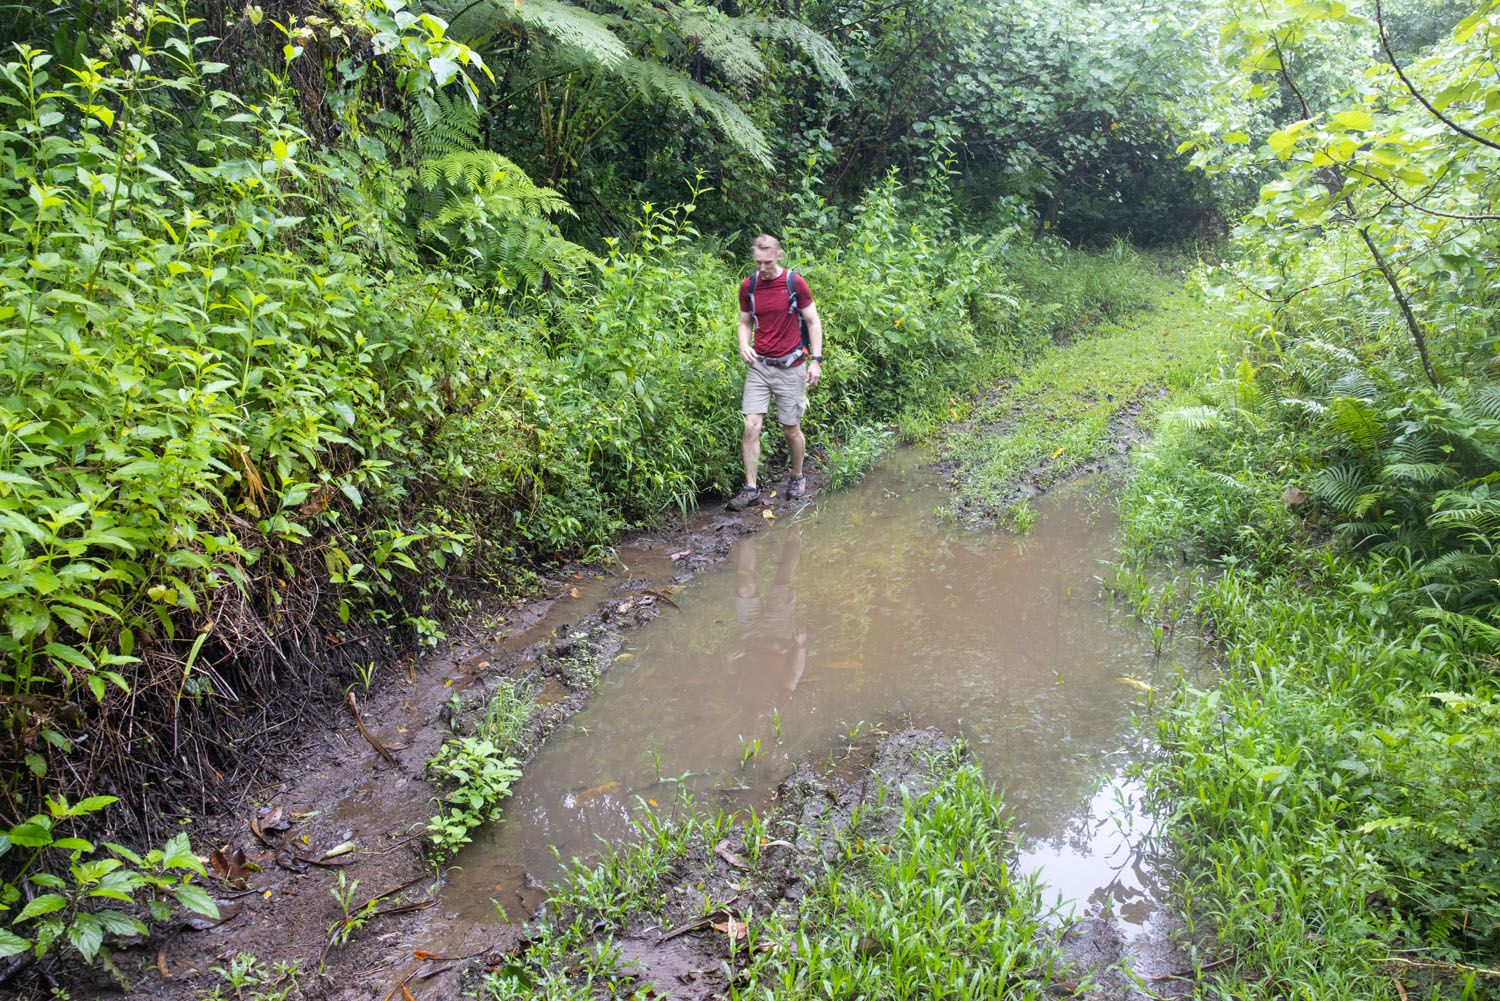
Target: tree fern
[444, 124]
[793, 33]
[590, 35]
[728, 118]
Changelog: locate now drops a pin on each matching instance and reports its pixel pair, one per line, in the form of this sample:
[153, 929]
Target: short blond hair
[766, 242]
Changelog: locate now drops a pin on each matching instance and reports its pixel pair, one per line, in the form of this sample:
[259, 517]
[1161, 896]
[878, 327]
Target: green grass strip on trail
[934, 910]
[924, 904]
[1073, 403]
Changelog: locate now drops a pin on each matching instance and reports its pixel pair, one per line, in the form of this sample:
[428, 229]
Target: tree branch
[1385, 43]
[1411, 320]
[1421, 208]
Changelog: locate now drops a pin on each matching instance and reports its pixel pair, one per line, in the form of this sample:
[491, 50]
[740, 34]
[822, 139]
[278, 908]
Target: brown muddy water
[864, 611]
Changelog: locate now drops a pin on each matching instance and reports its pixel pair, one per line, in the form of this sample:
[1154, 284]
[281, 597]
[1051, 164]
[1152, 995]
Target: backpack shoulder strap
[791, 291]
[754, 281]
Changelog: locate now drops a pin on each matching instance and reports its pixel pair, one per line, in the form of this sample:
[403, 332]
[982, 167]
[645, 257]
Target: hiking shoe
[796, 488]
[744, 499]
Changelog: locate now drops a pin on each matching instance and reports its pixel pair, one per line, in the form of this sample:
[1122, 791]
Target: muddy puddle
[863, 612]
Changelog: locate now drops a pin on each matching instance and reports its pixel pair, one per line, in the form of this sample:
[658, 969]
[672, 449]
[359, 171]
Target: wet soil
[340, 790]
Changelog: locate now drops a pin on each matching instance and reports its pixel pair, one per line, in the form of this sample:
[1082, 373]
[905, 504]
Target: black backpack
[791, 300]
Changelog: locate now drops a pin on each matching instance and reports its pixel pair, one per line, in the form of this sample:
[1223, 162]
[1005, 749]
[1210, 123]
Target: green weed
[478, 775]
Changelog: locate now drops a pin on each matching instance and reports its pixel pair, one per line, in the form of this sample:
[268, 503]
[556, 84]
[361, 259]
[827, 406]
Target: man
[780, 367]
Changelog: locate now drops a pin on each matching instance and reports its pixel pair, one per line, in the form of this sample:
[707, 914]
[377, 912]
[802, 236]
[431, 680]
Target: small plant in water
[776, 722]
[749, 750]
[479, 776]
[1021, 517]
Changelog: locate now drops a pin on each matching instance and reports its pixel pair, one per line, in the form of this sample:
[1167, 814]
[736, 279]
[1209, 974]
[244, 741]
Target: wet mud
[853, 616]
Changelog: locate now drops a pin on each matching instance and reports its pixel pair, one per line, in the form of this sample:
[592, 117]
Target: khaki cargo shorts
[787, 385]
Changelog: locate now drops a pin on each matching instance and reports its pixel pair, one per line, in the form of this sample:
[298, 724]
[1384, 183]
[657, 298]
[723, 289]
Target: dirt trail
[341, 790]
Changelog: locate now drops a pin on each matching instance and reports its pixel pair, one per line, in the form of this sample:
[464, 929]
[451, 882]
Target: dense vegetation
[317, 314]
[1335, 798]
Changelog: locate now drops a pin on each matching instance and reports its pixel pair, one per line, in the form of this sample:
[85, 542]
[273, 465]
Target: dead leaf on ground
[230, 864]
[733, 927]
[343, 848]
[674, 557]
[722, 850]
[777, 843]
[1135, 683]
[161, 964]
[275, 820]
[1292, 497]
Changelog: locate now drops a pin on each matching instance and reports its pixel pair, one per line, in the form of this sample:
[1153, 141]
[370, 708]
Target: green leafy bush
[478, 776]
[67, 889]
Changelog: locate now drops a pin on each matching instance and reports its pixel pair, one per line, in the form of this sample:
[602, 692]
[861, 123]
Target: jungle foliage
[1335, 797]
[299, 341]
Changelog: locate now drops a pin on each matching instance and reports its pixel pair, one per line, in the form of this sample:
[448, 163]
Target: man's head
[766, 251]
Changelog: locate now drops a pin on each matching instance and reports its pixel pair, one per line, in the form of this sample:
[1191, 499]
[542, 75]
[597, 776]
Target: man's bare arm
[815, 342]
[746, 331]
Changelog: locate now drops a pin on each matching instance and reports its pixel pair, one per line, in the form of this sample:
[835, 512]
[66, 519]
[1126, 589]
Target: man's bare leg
[750, 447]
[796, 446]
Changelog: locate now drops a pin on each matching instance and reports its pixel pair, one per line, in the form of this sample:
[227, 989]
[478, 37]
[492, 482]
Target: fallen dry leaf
[722, 850]
[1292, 497]
[733, 927]
[768, 514]
[230, 864]
[1135, 683]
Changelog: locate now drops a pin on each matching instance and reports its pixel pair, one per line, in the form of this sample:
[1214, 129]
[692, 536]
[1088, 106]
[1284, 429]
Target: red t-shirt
[777, 332]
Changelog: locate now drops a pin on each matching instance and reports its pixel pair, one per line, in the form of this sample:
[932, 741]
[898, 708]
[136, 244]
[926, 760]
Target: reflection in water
[870, 611]
[769, 653]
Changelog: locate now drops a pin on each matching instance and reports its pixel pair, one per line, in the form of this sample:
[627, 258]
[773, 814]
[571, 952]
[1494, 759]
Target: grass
[932, 911]
[1068, 406]
[929, 909]
[1334, 797]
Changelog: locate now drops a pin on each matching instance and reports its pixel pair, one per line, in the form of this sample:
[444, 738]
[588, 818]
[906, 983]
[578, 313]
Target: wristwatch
[817, 358]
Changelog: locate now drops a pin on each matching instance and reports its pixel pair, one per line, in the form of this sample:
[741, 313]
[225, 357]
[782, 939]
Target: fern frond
[588, 34]
[718, 37]
[444, 123]
[655, 80]
[1343, 488]
[1484, 404]
[793, 33]
[490, 184]
[1195, 418]
[1358, 421]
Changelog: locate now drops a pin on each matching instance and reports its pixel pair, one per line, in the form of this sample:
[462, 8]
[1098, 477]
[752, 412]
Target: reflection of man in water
[770, 651]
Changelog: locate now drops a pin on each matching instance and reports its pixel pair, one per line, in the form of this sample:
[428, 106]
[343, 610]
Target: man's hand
[814, 373]
[747, 354]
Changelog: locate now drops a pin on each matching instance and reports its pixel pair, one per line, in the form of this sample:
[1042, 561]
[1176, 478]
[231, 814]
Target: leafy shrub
[479, 777]
[67, 889]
